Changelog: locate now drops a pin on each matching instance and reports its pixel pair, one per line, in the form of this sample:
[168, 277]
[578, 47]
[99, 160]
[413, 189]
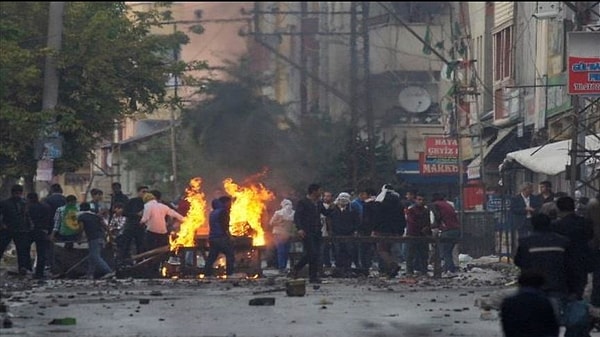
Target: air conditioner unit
[547, 10]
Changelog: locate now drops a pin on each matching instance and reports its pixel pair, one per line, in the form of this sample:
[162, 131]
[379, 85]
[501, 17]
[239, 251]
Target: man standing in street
[15, 228]
[95, 231]
[219, 237]
[446, 221]
[117, 197]
[549, 253]
[308, 222]
[54, 200]
[133, 230]
[390, 220]
[593, 218]
[522, 207]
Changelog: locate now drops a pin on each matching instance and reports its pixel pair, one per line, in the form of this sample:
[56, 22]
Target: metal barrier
[478, 234]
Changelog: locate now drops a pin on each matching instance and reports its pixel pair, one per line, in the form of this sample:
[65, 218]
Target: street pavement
[370, 307]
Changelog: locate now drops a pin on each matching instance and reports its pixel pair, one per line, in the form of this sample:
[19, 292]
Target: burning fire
[195, 217]
[247, 210]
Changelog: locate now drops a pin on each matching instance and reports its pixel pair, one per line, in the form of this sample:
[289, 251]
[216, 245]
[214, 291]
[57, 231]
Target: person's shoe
[315, 281]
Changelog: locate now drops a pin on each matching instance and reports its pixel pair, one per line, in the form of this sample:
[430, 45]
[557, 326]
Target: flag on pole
[427, 44]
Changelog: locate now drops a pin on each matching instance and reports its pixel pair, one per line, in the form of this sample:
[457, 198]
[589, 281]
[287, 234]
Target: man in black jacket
[550, 254]
[15, 228]
[38, 215]
[574, 227]
[133, 231]
[389, 221]
[308, 222]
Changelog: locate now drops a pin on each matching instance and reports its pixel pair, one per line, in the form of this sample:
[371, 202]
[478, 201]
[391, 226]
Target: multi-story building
[489, 75]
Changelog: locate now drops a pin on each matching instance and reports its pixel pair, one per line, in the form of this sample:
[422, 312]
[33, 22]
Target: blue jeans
[95, 260]
[283, 250]
[446, 249]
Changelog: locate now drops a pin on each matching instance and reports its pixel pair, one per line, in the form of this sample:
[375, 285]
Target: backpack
[69, 224]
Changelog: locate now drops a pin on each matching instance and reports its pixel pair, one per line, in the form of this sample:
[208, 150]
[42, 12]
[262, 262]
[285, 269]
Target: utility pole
[368, 98]
[50, 94]
[353, 93]
[576, 167]
[174, 104]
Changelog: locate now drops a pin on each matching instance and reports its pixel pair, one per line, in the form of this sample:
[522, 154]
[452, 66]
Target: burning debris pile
[246, 218]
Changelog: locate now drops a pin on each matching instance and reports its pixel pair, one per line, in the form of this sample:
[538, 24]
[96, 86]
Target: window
[503, 54]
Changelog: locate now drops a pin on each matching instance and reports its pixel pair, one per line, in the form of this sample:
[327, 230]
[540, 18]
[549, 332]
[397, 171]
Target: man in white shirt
[154, 218]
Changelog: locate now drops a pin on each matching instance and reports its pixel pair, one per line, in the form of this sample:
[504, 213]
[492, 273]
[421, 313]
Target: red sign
[584, 75]
[440, 156]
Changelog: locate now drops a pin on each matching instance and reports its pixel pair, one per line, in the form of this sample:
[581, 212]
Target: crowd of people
[131, 225]
[558, 247]
[384, 214]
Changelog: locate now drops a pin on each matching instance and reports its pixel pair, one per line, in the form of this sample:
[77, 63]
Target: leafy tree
[111, 66]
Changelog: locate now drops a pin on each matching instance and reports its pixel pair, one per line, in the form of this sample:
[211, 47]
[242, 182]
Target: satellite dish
[414, 99]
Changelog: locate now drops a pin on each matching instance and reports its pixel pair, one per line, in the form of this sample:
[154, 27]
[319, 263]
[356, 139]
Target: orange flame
[247, 209]
[195, 217]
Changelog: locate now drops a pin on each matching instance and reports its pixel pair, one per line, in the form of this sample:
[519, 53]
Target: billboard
[583, 50]
[440, 156]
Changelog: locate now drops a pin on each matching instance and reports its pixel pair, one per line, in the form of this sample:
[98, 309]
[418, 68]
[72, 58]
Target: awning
[474, 167]
[552, 158]
[408, 170]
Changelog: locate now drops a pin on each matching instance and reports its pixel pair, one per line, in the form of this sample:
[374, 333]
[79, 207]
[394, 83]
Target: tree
[111, 66]
[237, 132]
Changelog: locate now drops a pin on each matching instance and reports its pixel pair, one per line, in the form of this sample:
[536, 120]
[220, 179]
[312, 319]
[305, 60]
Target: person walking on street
[37, 214]
[219, 236]
[308, 222]
[95, 231]
[14, 228]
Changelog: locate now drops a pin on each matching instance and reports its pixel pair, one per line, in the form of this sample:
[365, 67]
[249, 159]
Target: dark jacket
[218, 221]
[390, 217]
[344, 222]
[38, 213]
[92, 225]
[55, 200]
[132, 210]
[13, 214]
[529, 313]
[518, 213]
[307, 216]
[546, 253]
[574, 227]
[367, 222]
